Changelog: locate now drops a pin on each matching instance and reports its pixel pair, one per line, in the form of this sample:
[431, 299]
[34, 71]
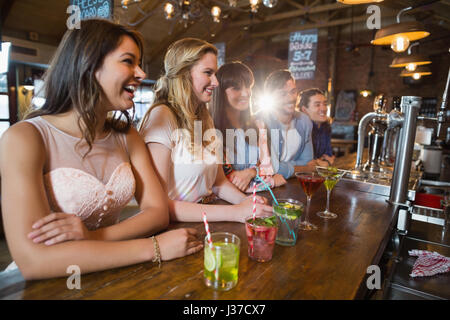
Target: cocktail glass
[310, 182]
[261, 233]
[288, 212]
[221, 262]
[332, 176]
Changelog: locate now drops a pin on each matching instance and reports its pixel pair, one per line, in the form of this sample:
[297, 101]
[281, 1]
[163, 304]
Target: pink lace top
[95, 188]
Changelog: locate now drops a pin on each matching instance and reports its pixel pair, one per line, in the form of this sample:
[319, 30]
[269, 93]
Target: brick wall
[353, 71]
[352, 67]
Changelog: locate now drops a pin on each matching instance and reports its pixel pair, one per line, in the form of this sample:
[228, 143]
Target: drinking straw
[291, 231]
[276, 202]
[208, 234]
[267, 187]
[254, 200]
[208, 237]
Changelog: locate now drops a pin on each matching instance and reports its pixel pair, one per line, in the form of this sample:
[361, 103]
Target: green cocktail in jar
[288, 212]
[221, 262]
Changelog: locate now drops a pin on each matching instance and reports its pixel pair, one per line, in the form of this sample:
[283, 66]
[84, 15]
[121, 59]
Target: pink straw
[208, 234]
[254, 200]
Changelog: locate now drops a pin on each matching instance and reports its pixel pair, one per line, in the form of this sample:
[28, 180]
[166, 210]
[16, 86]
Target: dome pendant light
[419, 72]
[411, 61]
[399, 35]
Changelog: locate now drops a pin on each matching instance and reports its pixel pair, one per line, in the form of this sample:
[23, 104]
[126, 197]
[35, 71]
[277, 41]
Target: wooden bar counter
[330, 263]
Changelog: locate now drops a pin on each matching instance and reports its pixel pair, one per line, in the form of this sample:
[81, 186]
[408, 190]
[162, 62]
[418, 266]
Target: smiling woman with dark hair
[230, 109]
[77, 168]
[314, 103]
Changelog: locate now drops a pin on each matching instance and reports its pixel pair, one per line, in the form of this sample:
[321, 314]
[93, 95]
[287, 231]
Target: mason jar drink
[221, 262]
[261, 233]
[288, 212]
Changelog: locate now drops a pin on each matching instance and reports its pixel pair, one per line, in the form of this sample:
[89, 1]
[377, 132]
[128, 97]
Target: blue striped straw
[276, 202]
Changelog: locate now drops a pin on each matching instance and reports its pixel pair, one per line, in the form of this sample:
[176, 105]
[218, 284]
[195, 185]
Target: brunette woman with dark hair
[68, 170]
[314, 103]
[230, 109]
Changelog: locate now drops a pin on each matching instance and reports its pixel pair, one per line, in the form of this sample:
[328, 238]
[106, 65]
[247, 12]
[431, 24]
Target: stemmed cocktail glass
[332, 176]
[310, 182]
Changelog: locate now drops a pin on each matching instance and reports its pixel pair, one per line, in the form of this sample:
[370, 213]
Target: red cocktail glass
[310, 182]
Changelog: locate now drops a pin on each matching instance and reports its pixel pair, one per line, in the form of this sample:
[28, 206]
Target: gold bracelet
[157, 257]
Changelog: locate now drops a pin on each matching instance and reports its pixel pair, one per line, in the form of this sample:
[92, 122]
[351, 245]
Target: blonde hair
[174, 87]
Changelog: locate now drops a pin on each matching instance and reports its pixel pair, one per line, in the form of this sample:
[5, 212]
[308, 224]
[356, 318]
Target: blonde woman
[68, 170]
[189, 166]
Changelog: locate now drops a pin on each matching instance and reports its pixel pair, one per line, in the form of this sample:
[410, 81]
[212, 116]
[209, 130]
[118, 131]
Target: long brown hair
[230, 75]
[174, 88]
[70, 81]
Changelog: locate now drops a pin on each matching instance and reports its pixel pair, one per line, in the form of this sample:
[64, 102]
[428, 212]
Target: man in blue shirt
[290, 130]
[314, 103]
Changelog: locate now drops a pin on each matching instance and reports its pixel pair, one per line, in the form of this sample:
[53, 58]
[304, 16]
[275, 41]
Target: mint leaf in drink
[270, 221]
[263, 222]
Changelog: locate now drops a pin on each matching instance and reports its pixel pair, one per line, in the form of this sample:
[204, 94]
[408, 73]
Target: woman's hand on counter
[246, 208]
[241, 179]
[178, 243]
[278, 180]
[59, 227]
[329, 160]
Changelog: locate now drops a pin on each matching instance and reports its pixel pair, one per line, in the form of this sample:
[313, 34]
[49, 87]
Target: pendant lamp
[410, 61]
[400, 35]
[416, 74]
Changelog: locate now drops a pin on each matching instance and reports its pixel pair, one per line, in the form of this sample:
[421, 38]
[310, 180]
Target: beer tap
[377, 122]
[390, 142]
[441, 116]
[376, 136]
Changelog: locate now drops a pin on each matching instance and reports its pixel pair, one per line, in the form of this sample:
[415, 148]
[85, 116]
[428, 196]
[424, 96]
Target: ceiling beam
[294, 4]
[291, 14]
[332, 23]
[5, 8]
[148, 7]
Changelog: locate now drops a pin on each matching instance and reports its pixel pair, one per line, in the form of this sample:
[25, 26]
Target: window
[143, 99]
[4, 104]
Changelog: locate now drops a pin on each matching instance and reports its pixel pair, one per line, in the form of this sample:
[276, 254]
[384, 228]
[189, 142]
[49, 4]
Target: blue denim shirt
[304, 154]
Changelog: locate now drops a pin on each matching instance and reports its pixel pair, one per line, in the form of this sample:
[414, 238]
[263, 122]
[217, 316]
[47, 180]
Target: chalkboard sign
[91, 9]
[345, 105]
[303, 54]
[221, 53]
